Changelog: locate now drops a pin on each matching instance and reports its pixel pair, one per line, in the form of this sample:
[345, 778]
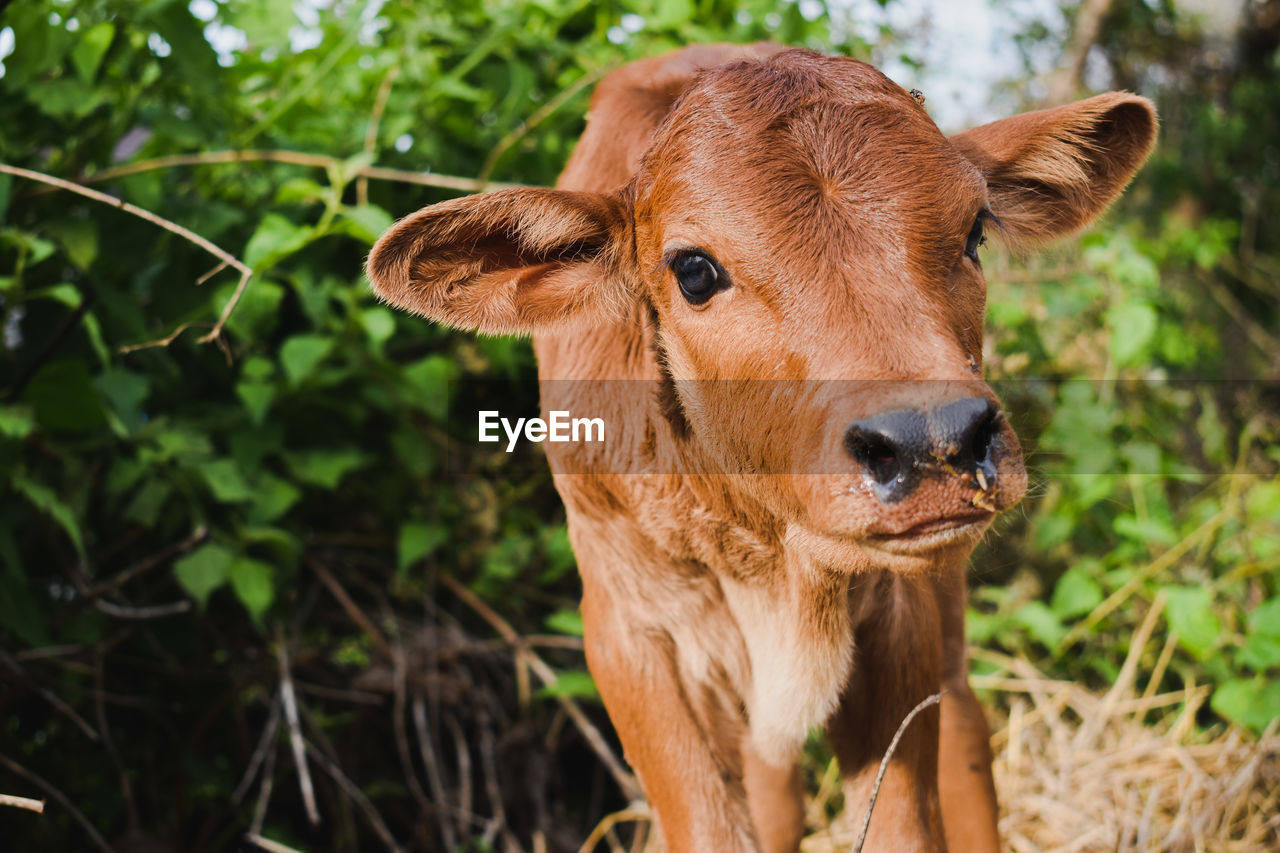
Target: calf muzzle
[896, 449]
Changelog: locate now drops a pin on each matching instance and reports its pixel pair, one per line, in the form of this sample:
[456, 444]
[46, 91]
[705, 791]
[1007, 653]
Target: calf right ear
[508, 262]
[1051, 172]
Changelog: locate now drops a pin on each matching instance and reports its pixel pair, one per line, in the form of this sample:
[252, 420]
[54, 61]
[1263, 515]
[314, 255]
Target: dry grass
[1080, 772]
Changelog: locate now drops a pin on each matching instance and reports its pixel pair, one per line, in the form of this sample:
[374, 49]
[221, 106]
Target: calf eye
[976, 238]
[698, 275]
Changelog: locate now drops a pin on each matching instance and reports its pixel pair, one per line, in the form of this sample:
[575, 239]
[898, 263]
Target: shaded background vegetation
[190, 531]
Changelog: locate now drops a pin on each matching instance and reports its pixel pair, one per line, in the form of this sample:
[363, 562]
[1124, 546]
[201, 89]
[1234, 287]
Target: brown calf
[780, 248]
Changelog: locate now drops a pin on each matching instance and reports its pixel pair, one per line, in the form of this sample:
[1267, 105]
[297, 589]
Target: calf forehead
[808, 150]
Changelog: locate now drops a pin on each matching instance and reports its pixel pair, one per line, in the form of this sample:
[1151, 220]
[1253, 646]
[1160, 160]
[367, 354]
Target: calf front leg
[968, 792]
[692, 771]
[897, 663]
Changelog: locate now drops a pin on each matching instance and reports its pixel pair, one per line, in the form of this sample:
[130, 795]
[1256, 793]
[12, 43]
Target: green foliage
[316, 430]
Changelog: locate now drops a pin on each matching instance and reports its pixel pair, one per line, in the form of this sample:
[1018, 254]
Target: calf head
[805, 243]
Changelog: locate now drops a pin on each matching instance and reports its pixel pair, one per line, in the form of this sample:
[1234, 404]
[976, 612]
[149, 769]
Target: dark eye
[699, 277]
[976, 239]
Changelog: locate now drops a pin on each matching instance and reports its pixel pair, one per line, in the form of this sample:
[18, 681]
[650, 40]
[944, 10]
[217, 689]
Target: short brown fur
[726, 614]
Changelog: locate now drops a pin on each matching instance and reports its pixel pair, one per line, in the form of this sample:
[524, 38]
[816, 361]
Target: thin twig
[630, 813]
[225, 257]
[464, 765]
[536, 118]
[168, 225]
[400, 669]
[350, 608]
[100, 708]
[434, 777]
[290, 701]
[27, 803]
[265, 742]
[15, 767]
[489, 764]
[884, 764]
[264, 791]
[294, 158]
[375, 820]
[371, 132]
[162, 342]
[269, 845]
[148, 563]
[155, 611]
[626, 781]
[52, 698]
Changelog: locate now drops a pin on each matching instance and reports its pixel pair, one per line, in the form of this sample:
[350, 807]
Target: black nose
[895, 448]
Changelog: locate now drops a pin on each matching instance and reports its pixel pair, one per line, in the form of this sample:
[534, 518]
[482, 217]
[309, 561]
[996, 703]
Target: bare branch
[156, 611]
[52, 698]
[15, 767]
[265, 742]
[626, 781]
[27, 803]
[269, 845]
[353, 791]
[1064, 82]
[434, 777]
[296, 158]
[148, 563]
[350, 608]
[290, 702]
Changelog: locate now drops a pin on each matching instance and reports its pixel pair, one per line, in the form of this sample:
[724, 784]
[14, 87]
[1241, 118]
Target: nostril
[983, 435]
[880, 460]
[888, 447]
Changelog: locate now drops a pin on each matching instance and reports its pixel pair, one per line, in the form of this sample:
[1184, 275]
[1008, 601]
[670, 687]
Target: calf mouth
[934, 535]
[956, 522]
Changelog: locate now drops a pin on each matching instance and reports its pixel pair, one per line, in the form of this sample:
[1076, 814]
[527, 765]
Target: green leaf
[429, 379]
[257, 398]
[1261, 650]
[16, 421]
[417, 541]
[44, 499]
[574, 683]
[1133, 326]
[203, 571]
[1263, 501]
[1190, 612]
[272, 498]
[301, 354]
[259, 308]
[148, 502]
[225, 481]
[366, 222]
[64, 399]
[275, 239]
[1075, 594]
[251, 580]
[79, 239]
[1040, 623]
[565, 622]
[379, 324]
[1145, 530]
[324, 468]
[124, 391]
[1253, 703]
[91, 48]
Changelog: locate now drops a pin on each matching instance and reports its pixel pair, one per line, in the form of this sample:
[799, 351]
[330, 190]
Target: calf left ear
[508, 262]
[1051, 172]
